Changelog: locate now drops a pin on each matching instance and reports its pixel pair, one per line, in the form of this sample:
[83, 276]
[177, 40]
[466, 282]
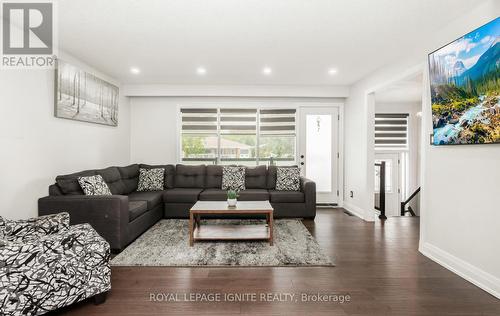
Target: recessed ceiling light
[419, 114]
[267, 71]
[135, 70]
[201, 71]
[332, 71]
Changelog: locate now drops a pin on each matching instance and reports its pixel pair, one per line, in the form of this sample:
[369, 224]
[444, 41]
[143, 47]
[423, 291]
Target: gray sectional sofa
[122, 217]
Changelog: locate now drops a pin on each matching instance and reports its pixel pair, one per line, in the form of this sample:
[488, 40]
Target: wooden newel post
[382, 191]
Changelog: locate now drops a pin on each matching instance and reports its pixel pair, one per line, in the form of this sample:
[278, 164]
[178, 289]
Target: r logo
[27, 28]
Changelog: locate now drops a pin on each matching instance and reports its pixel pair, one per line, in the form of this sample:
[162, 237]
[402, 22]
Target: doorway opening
[397, 129]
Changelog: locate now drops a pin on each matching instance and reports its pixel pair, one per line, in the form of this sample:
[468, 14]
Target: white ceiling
[234, 39]
[403, 91]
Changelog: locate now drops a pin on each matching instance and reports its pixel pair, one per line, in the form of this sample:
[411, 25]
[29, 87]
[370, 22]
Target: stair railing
[408, 200]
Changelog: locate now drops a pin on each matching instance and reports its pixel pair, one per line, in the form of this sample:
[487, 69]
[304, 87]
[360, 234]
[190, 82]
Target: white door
[392, 190]
[318, 150]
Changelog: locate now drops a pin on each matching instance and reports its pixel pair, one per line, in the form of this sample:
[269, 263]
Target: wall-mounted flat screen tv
[465, 88]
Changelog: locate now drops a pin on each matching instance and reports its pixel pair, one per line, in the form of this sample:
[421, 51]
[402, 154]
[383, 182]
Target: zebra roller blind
[199, 120]
[238, 121]
[279, 121]
[227, 135]
[391, 131]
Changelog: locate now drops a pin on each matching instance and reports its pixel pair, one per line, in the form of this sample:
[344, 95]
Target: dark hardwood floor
[378, 265]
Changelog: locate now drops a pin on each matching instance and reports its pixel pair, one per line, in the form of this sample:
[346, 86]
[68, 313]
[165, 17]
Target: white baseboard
[476, 276]
[354, 210]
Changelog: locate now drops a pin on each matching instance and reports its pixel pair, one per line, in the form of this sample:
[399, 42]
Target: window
[199, 140]
[391, 131]
[238, 136]
[277, 136]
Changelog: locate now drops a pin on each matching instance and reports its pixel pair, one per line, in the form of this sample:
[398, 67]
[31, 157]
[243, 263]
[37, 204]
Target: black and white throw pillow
[94, 185]
[151, 179]
[288, 179]
[233, 178]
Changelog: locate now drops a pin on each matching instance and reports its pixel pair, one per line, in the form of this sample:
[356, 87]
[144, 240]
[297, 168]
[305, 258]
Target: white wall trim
[473, 274]
[166, 90]
[370, 155]
[425, 128]
[341, 180]
[354, 210]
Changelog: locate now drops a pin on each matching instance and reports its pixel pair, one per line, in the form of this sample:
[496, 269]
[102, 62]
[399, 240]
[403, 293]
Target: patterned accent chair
[46, 264]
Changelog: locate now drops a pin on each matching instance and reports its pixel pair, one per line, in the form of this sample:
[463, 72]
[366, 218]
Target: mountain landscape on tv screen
[465, 88]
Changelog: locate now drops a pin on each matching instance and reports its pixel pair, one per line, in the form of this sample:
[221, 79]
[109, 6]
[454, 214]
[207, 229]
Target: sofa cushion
[288, 179]
[113, 178]
[136, 209]
[286, 196]
[181, 195]
[190, 176]
[153, 198]
[214, 177]
[233, 178]
[271, 175]
[94, 185]
[253, 195]
[69, 183]
[54, 189]
[256, 177]
[151, 179]
[130, 177]
[168, 183]
[213, 195]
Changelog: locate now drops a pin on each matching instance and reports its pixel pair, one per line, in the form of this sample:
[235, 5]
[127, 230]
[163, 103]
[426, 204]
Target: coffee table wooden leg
[197, 220]
[271, 235]
[190, 229]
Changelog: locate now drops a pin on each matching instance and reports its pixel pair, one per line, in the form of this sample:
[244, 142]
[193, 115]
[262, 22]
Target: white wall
[460, 206]
[460, 187]
[358, 124]
[35, 146]
[154, 131]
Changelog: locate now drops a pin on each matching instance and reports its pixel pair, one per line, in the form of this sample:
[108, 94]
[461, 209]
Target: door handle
[302, 163]
[302, 156]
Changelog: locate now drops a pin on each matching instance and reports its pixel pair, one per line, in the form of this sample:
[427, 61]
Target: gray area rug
[166, 244]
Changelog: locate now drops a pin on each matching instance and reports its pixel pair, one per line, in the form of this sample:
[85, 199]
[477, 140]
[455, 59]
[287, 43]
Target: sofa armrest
[108, 214]
[33, 228]
[308, 187]
[54, 271]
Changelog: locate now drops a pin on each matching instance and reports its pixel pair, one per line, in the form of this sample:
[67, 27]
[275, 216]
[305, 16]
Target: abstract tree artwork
[83, 96]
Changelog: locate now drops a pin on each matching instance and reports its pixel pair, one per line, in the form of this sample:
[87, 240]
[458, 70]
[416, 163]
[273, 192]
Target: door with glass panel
[319, 150]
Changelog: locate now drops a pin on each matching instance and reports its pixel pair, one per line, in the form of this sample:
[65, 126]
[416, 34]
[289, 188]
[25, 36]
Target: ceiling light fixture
[267, 71]
[135, 70]
[201, 71]
[332, 71]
